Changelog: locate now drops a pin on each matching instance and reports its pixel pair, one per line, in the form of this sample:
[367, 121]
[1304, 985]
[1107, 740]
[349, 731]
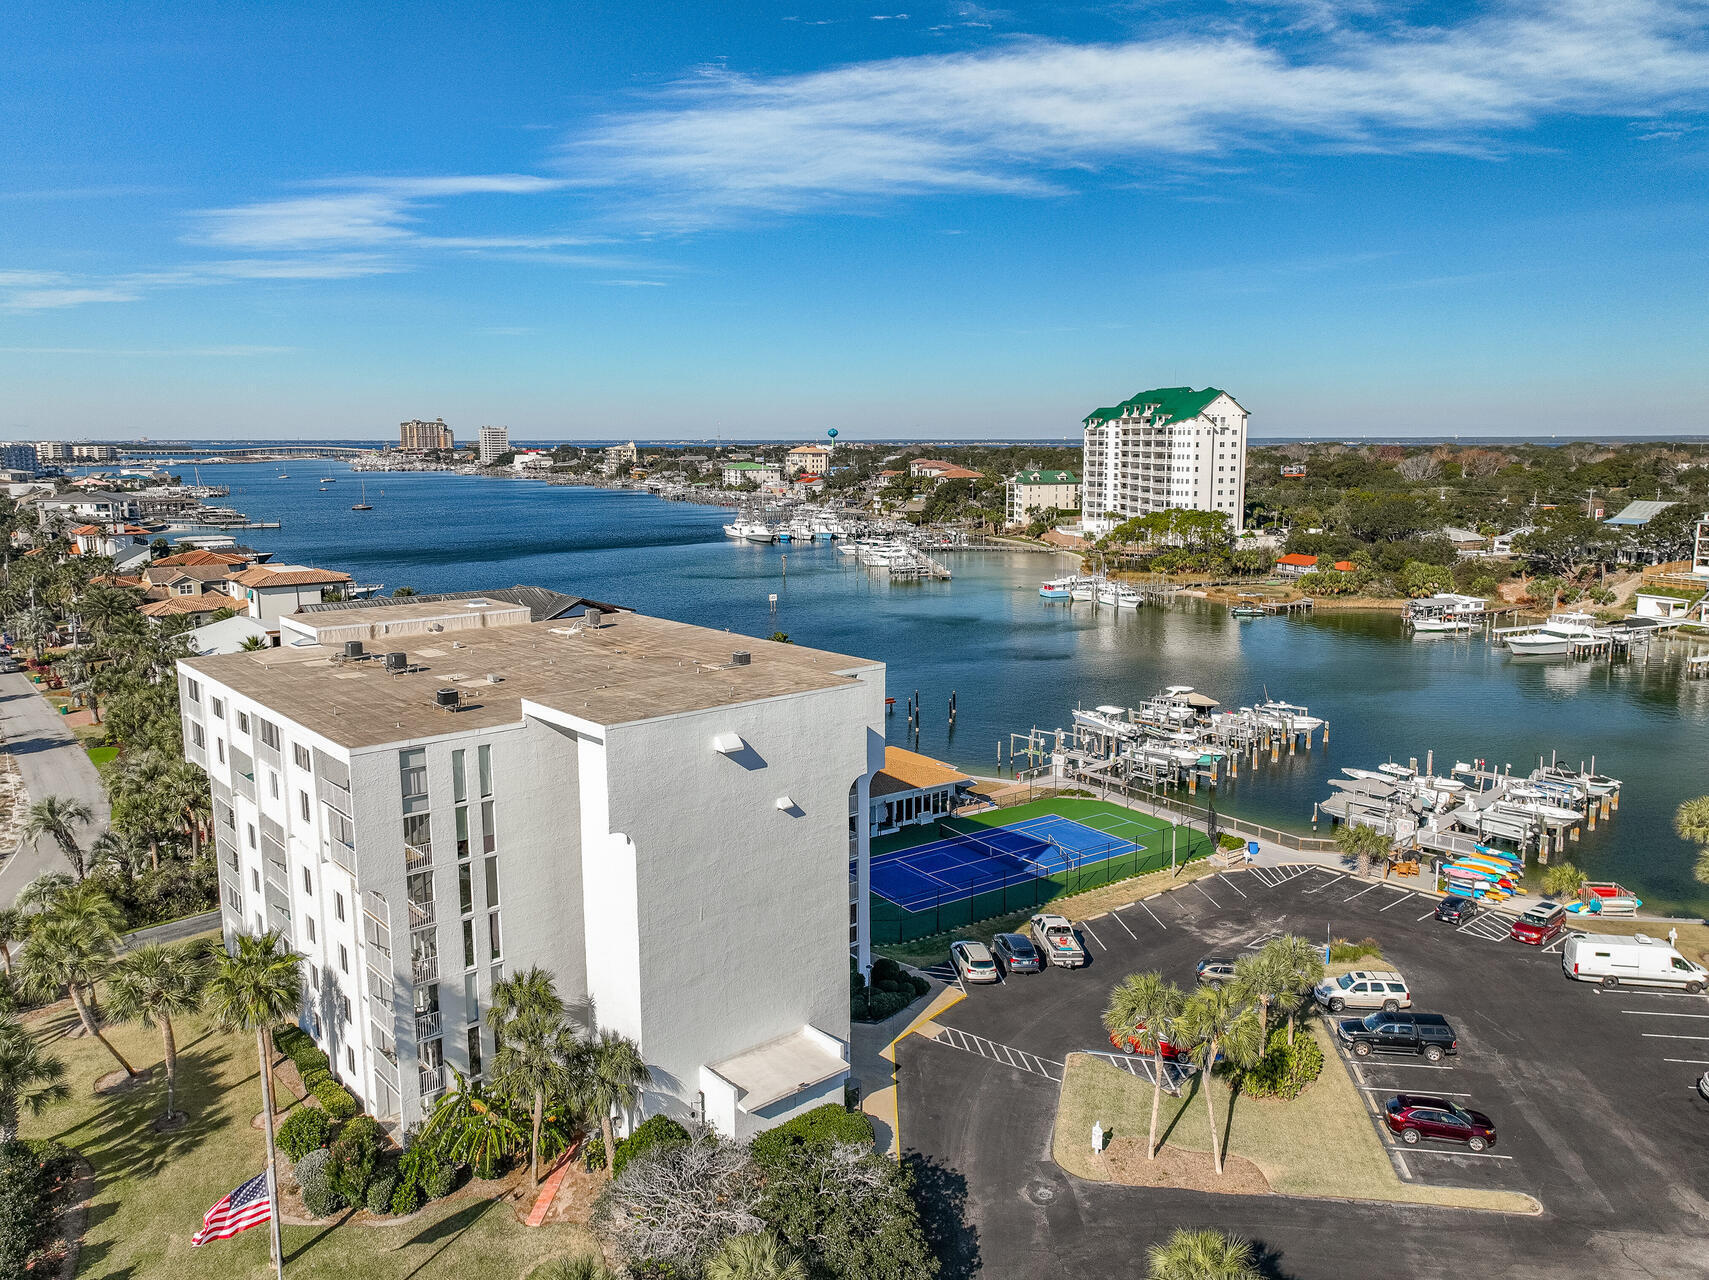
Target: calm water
[1016, 661]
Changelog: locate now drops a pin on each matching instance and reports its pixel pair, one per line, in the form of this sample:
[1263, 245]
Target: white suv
[1364, 989]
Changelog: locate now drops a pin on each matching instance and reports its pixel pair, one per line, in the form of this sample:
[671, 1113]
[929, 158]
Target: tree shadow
[1187, 1100]
[320, 1235]
[942, 1195]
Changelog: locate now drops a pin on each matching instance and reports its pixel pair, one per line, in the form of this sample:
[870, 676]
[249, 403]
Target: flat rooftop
[630, 668]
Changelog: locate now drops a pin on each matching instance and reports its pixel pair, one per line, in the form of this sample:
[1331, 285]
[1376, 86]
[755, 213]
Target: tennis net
[991, 849]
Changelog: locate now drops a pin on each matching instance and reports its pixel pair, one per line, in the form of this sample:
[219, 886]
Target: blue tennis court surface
[986, 858]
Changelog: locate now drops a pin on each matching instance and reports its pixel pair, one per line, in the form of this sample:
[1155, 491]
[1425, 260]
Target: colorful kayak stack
[1489, 875]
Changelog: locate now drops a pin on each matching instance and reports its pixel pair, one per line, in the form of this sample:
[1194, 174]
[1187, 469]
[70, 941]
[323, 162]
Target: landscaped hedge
[316, 1071]
[318, 1196]
[653, 1132]
[1285, 1069]
[832, 1122]
[892, 989]
[304, 1130]
[35, 1181]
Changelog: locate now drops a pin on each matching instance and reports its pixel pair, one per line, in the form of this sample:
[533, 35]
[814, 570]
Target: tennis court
[972, 860]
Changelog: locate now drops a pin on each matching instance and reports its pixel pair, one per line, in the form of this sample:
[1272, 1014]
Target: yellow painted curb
[882, 1106]
[947, 998]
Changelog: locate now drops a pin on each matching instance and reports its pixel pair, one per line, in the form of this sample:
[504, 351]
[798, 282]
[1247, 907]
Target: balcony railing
[421, 915]
[427, 1025]
[425, 968]
[343, 853]
[418, 857]
[336, 795]
[388, 1069]
[278, 876]
[432, 1080]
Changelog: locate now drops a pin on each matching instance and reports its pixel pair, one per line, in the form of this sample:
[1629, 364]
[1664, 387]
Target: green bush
[334, 1098]
[882, 1004]
[920, 985]
[1228, 840]
[380, 1193]
[581, 1266]
[884, 969]
[406, 1198]
[593, 1153]
[857, 1006]
[442, 1182]
[1341, 951]
[318, 1196]
[305, 1129]
[35, 1178]
[1285, 1069]
[829, 1123]
[655, 1131]
[353, 1158]
[857, 984]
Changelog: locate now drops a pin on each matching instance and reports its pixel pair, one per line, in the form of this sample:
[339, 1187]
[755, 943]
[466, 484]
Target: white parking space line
[1230, 884]
[1630, 992]
[1435, 1093]
[1017, 1059]
[1208, 897]
[1689, 1062]
[1095, 937]
[1662, 1013]
[1422, 1150]
[1427, 914]
[1662, 1035]
[1269, 876]
[1123, 924]
[1153, 915]
[1403, 897]
[1414, 1066]
[1320, 888]
[1362, 892]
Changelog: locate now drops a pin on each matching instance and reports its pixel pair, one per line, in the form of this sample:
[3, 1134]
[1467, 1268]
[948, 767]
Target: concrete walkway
[51, 762]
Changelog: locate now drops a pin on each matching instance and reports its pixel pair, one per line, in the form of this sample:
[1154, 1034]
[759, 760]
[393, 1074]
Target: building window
[219, 749]
[343, 958]
[338, 905]
[468, 944]
[471, 996]
[300, 754]
[234, 900]
[197, 737]
[492, 936]
[418, 830]
[218, 704]
[314, 978]
[310, 921]
[459, 784]
[350, 1057]
[344, 1011]
[195, 690]
[462, 830]
[489, 838]
[412, 765]
[303, 804]
[465, 889]
[492, 882]
[270, 734]
[484, 760]
[243, 722]
[474, 1052]
[273, 784]
[251, 827]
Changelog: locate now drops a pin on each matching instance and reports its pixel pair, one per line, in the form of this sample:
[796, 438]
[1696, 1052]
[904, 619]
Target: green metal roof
[1036, 476]
[750, 466]
[1169, 404]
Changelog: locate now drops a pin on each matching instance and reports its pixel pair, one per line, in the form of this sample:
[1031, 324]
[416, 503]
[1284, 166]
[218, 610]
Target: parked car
[1364, 989]
[1703, 1085]
[1128, 1042]
[1213, 971]
[1456, 910]
[1055, 937]
[1415, 1116]
[1426, 1035]
[1542, 923]
[1639, 961]
[973, 962]
[1015, 953]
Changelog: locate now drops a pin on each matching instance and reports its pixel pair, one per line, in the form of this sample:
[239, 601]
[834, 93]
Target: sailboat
[362, 505]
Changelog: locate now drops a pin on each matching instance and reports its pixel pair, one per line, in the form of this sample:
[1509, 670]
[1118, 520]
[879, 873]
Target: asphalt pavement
[51, 762]
[1591, 1092]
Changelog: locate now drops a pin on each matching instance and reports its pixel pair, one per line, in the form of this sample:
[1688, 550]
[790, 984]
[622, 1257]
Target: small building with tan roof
[912, 789]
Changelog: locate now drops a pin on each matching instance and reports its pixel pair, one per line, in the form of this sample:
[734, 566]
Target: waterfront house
[201, 606]
[89, 506]
[228, 635]
[272, 591]
[1036, 490]
[614, 798]
[1296, 565]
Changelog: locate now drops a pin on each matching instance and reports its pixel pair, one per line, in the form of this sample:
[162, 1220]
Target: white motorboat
[1394, 770]
[1552, 814]
[1369, 775]
[1287, 717]
[1595, 783]
[1109, 721]
[1057, 588]
[751, 531]
[1127, 598]
[1106, 593]
[1084, 588]
[1554, 637]
[1439, 626]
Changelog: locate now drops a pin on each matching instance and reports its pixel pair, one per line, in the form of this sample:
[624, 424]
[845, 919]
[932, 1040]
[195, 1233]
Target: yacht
[1127, 598]
[1287, 717]
[1084, 589]
[1106, 593]
[1057, 588]
[1556, 636]
[751, 531]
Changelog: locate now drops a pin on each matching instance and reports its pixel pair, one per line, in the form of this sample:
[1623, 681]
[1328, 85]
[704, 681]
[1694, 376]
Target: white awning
[778, 1068]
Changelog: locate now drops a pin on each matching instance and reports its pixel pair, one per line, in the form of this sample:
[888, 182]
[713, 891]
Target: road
[51, 762]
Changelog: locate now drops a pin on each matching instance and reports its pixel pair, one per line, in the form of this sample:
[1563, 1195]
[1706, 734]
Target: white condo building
[428, 795]
[494, 442]
[1171, 447]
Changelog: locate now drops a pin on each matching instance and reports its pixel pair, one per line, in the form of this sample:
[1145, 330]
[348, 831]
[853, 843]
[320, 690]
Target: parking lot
[1591, 1090]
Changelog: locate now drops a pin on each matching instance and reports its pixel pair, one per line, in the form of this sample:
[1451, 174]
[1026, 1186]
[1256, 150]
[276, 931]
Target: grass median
[1321, 1144]
[151, 1189]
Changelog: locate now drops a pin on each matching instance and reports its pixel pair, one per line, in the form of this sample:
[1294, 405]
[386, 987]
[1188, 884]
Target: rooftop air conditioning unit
[494, 677]
[446, 699]
[352, 648]
[741, 658]
[397, 661]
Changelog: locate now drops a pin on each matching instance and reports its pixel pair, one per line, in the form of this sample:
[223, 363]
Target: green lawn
[102, 755]
[1322, 1143]
[152, 1190]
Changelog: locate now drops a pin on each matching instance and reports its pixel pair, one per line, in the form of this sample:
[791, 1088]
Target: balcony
[421, 915]
[425, 968]
[278, 876]
[432, 1081]
[336, 795]
[427, 1025]
[418, 857]
[244, 785]
[387, 1068]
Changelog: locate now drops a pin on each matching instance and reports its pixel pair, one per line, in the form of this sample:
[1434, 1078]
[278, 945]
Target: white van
[1638, 961]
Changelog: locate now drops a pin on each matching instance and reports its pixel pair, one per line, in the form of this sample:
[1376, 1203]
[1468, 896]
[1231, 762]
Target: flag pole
[262, 1046]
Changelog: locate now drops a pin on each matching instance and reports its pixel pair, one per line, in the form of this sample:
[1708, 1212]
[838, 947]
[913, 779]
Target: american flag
[246, 1207]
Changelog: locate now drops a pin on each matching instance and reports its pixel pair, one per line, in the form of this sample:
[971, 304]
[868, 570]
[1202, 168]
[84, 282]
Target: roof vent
[741, 658]
[352, 648]
[474, 604]
[494, 677]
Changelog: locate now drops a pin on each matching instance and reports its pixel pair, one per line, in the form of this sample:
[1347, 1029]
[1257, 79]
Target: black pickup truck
[1425, 1035]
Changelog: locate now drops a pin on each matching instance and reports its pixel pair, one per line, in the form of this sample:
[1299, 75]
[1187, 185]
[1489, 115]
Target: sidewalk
[50, 761]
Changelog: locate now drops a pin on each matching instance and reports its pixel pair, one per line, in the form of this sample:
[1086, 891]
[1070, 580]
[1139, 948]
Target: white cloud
[1020, 117]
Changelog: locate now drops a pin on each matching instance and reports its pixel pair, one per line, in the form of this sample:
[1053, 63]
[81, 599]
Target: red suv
[1542, 923]
[1129, 1042]
[1412, 1116]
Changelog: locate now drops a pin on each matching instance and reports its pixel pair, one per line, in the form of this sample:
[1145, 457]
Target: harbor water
[1016, 662]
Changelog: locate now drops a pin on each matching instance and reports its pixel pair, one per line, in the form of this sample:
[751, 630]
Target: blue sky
[937, 219]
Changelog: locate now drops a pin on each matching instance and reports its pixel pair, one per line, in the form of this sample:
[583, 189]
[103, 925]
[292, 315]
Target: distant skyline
[602, 221]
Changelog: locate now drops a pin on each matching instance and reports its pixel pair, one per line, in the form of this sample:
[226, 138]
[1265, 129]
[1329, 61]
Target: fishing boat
[750, 531]
[1057, 588]
[1084, 588]
[1127, 598]
[1246, 611]
[1440, 626]
[1554, 637]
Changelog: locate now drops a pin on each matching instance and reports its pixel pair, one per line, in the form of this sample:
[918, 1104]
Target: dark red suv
[1412, 1116]
[1542, 923]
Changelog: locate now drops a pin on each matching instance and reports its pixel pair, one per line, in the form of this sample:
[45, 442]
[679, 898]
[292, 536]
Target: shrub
[352, 1159]
[857, 984]
[829, 1123]
[583, 1266]
[334, 1098]
[380, 1193]
[858, 1006]
[882, 1004]
[442, 1181]
[406, 1198]
[1228, 840]
[305, 1129]
[920, 985]
[34, 1178]
[593, 1154]
[1285, 1069]
[655, 1131]
[318, 1196]
[1341, 951]
[884, 969]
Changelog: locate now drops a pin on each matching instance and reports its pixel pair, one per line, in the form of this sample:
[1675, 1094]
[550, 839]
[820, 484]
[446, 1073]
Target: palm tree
[251, 644]
[1302, 963]
[759, 1255]
[535, 1047]
[1218, 1023]
[1203, 1253]
[30, 1077]
[119, 850]
[1261, 978]
[42, 892]
[72, 950]
[472, 1127]
[1144, 1006]
[56, 817]
[581, 1266]
[150, 985]
[614, 1074]
[14, 927]
[1361, 844]
[1691, 820]
[255, 988]
[1562, 880]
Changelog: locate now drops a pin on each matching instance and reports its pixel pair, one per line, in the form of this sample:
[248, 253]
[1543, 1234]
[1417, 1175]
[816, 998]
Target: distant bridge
[237, 452]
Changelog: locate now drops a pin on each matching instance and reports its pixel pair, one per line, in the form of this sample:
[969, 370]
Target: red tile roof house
[275, 591]
[937, 471]
[1295, 565]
